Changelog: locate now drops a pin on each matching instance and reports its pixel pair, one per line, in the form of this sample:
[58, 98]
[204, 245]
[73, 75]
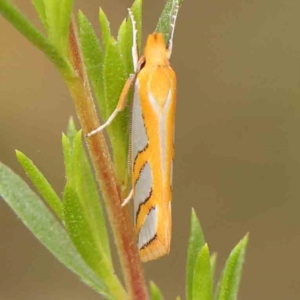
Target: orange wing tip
[154, 250]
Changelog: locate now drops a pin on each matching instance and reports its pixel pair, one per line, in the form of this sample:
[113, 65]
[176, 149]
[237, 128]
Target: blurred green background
[237, 143]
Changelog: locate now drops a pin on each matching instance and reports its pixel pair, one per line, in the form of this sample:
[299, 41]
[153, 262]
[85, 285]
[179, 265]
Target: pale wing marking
[142, 188]
[147, 233]
[138, 132]
[162, 125]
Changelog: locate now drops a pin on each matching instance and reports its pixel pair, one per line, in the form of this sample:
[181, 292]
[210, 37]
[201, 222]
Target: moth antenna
[134, 49]
[172, 29]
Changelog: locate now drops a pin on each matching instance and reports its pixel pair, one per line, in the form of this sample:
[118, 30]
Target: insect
[152, 141]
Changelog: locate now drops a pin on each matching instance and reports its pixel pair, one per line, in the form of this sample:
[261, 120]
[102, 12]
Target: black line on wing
[145, 148]
[154, 237]
[140, 172]
[151, 208]
[138, 154]
[149, 242]
[144, 202]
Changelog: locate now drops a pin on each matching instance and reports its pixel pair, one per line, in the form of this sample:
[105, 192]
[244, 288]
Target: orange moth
[152, 141]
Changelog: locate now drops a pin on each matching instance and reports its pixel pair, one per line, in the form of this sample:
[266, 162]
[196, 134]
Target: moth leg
[123, 97]
[128, 198]
[120, 106]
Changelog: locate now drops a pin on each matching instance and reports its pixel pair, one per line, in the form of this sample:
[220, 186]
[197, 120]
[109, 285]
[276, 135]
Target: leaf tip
[245, 239]
[214, 256]
[20, 155]
[205, 247]
[102, 14]
[193, 213]
[71, 124]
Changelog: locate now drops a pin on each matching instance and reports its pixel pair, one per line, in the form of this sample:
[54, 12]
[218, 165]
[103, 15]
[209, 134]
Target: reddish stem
[119, 217]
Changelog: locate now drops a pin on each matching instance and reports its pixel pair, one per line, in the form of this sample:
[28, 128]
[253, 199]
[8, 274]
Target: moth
[152, 140]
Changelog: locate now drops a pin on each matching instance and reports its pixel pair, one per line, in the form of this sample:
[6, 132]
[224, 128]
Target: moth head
[155, 50]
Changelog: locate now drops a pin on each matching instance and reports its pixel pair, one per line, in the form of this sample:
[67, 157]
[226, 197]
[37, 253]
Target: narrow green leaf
[196, 242]
[83, 181]
[41, 184]
[71, 129]
[81, 233]
[52, 17]
[80, 176]
[105, 28]
[125, 35]
[93, 58]
[84, 216]
[125, 44]
[165, 19]
[40, 8]
[229, 282]
[155, 292]
[37, 217]
[202, 282]
[67, 150]
[65, 11]
[79, 229]
[58, 14]
[16, 19]
[213, 262]
[114, 75]
[67, 145]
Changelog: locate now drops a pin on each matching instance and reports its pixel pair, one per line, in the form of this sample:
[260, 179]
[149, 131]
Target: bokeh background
[237, 143]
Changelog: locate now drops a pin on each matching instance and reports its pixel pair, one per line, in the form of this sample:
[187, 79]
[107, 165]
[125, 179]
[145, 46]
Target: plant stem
[119, 217]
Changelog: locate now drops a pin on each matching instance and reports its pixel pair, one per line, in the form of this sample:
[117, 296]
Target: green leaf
[213, 262]
[165, 19]
[16, 19]
[84, 217]
[41, 184]
[65, 12]
[155, 292]
[196, 242]
[71, 129]
[67, 144]
[76, 222]
[93, 58]
[202, 282]
[58, 16]
[84, 183]
[81, 233]
[51, 13]
[40, 8]
[125, 35]
[105, 28]
[37, 217]
[67, 150]
[229, 282]
[125, 44]
[114, 75]
[80, 176]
